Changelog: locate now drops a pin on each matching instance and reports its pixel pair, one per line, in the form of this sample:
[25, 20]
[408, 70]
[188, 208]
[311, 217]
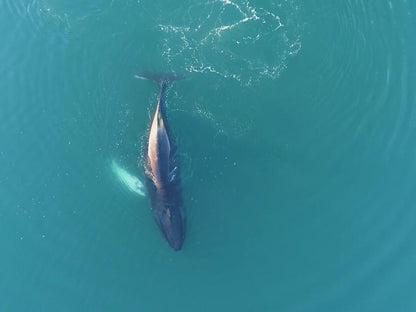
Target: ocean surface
[296, 132]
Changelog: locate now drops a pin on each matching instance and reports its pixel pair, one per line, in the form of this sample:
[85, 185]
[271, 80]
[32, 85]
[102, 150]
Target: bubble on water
[233, 39]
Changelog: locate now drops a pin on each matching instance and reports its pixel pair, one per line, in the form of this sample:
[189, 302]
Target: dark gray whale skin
[161, 170]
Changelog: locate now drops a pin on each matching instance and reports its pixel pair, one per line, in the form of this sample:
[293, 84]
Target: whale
[161, 168]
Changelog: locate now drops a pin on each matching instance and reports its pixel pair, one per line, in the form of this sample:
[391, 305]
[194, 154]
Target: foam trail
[133, 183]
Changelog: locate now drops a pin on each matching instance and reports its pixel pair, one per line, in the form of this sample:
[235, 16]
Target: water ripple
[218, 37]
[368, 64]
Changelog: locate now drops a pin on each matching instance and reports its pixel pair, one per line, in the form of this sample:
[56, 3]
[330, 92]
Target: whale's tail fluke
[160, 78]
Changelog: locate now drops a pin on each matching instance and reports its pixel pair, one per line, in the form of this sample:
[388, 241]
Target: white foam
[221, 37]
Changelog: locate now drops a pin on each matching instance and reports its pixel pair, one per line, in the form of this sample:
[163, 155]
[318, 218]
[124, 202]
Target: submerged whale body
[161, 170]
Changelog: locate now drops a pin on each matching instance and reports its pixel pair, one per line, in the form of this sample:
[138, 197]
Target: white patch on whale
[130, 181]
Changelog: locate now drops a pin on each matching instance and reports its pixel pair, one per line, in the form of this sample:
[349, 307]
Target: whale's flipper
[130, 181]
[172, 174]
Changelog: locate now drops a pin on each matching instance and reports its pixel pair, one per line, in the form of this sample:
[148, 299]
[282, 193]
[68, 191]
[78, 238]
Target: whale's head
[172, 225]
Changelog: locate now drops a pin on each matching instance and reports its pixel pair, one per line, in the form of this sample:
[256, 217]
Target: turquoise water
[296, 129]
